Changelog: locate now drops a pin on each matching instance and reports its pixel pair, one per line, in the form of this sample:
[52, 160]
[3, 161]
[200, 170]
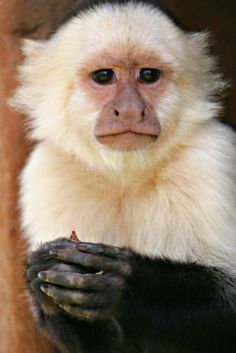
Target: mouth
[126, 140]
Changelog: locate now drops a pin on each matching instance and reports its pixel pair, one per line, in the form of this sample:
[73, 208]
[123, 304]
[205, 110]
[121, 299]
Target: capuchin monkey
[121, 102]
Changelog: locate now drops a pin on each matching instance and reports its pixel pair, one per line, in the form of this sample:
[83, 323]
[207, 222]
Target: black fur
[74, 336]
[161, 306]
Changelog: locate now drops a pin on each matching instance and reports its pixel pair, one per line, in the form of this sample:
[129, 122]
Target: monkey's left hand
[89, 296]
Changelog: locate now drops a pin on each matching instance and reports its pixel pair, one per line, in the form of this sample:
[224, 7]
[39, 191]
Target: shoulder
[217, 142]
[207, 161]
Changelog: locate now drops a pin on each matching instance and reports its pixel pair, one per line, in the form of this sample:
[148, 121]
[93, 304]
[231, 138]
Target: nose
[129, 105]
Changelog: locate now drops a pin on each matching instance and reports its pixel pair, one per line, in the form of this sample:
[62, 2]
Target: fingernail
[44, 288]
[42, 275]
[53, 252]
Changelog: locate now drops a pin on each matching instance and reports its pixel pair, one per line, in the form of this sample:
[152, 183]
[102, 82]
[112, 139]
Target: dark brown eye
[147, 75]
[103, 77]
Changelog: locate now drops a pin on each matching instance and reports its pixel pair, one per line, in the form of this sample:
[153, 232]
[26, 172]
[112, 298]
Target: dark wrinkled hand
[42, 260]
[94, 295]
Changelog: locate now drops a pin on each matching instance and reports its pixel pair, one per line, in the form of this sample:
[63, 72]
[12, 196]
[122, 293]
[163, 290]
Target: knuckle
[83, 258]
[128, 253]
[80, 281]
[100, 248]
[73, 297]
[70, 279]
[120, 282]
[126, 268]
[115, 280]
[78, 297]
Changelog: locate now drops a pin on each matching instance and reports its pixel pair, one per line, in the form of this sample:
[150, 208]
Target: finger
[87, 314]
[43, 300]
[38, 257]
[35, 286]
[76, 297]
[99, 263]
[43, 252]
[104, 250]
[63, 267]
[96, 282]
[33, 271]
[59, 243]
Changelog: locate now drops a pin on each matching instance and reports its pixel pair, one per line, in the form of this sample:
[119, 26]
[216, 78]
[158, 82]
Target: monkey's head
[118, 86]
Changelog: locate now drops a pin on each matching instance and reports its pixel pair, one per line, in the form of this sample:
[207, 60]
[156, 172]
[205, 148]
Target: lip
[122, 131]
[127, 140]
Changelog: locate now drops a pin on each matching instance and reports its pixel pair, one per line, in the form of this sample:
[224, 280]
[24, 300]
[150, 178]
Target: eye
[147, 75]
[103, 77]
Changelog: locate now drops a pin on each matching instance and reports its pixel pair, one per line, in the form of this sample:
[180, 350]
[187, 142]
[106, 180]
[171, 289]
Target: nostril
[116, 112]
[143, 113]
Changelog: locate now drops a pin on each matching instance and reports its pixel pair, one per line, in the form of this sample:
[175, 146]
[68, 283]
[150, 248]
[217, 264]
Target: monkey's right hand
[62, 328]
[41, 260]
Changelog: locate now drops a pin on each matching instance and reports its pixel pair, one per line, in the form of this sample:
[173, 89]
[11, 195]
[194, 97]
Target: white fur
[173, 199]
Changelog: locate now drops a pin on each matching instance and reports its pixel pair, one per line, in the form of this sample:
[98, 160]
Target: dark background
[219, 17]
[34, 19]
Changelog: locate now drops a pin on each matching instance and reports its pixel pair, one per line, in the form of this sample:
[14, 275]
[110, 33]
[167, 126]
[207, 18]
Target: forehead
[121, 32]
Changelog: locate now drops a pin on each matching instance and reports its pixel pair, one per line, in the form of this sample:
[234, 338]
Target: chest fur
[181, 216]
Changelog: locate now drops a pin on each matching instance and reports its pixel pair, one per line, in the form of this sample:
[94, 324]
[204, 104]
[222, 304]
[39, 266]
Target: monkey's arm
[71, 335]
[160, 305]
[180, 308]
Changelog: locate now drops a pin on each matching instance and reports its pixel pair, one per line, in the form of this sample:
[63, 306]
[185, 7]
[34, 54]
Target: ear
[31, 47]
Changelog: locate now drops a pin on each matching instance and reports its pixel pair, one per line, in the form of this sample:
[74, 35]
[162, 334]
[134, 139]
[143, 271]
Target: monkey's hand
[58, 275]
[42, 260]
[88, 296]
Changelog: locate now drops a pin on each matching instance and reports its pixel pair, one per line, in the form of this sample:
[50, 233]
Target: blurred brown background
[33, 19]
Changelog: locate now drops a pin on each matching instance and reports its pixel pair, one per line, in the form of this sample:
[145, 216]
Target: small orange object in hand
[74, 237]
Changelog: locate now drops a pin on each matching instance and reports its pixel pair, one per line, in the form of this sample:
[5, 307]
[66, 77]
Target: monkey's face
[126, 91]
[118, 86]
